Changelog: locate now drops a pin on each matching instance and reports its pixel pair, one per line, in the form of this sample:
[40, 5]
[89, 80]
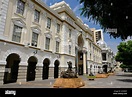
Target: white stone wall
[3, 16]
[25, 53]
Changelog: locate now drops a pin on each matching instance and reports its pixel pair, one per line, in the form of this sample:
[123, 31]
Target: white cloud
[76, 8]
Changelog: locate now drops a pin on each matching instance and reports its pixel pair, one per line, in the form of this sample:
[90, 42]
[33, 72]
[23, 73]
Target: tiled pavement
[120, 80]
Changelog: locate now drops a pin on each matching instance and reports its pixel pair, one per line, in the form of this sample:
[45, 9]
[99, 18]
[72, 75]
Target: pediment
[48, 35]
[19, 22]
[58, 39]
[36, 29]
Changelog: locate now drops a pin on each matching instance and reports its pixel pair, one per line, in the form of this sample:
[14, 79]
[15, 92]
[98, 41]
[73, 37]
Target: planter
[102, 75]
[68, 83]
[91, 77]
[111, 73]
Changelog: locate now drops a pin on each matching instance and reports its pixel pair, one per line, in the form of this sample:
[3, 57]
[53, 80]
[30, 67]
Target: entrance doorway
[79, 55]
[80, 63]
[32, 61]
[56, 68]
[105, 68]
[11, 68]
[46, 64]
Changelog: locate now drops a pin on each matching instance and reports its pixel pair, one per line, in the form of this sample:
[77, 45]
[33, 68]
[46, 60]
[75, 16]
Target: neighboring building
[108, 60]
[98, 35]
[37, 41]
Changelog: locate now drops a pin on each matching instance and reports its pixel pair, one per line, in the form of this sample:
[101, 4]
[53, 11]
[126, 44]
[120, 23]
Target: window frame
[48, 22]
[58, 28]
[57, 46]
[34, 39]
[70, 33]
[36, 16]
[69, 49]
[47, 43]
[20, 8]
[15, 34]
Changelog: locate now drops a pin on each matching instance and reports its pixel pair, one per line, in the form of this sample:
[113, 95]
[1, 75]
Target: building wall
[24, 48]
[3, 16]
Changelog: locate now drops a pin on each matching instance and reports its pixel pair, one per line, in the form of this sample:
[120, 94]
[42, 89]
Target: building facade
[108, 60]
[37, 41]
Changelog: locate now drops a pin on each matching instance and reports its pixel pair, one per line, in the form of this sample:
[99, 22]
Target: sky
[75, 6]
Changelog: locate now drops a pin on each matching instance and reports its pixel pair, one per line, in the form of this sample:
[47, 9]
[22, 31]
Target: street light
[35, 52]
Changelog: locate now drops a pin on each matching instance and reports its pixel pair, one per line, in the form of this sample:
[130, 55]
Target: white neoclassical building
[37, 41]
[108, 60]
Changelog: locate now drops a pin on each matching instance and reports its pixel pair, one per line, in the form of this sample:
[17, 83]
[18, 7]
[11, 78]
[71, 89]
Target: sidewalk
[120, 80]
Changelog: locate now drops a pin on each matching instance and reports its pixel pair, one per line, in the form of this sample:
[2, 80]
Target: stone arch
[36, 56]
[8, 52]
[80, 58]
[11, 68]
[31, 69]
[56, 68]
[80, 41]
[46, 56]
[46, 63]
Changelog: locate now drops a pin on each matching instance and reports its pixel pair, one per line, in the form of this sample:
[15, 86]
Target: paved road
[119, 80]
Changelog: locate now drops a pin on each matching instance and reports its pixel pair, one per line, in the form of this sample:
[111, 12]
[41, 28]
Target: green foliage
[123, 66]
[124, 53]
[91, 76]
[110, 14]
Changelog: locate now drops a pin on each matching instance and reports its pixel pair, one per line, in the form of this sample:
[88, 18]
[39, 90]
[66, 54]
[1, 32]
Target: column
[39, 72]
[22, 72]
[84, 62]
[76, 60]
[51, 72]
[2, 71]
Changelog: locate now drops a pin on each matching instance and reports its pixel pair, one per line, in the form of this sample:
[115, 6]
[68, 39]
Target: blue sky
[75, 6]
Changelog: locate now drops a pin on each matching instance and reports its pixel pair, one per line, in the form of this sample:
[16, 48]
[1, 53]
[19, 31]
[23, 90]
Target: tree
[110, 14]
[124, 53]
[123, 66]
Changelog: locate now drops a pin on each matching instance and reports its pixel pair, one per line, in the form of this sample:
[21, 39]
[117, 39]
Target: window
[57, 46]
[48, 23]
[69, 33]
[104, 56]
[47, 43]
[58, 28]
[34, 39]
[36, 16]
[69, 49]
[90, 45]
[93, 49]
[90, 56]
[17, 33]
[20, 7]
